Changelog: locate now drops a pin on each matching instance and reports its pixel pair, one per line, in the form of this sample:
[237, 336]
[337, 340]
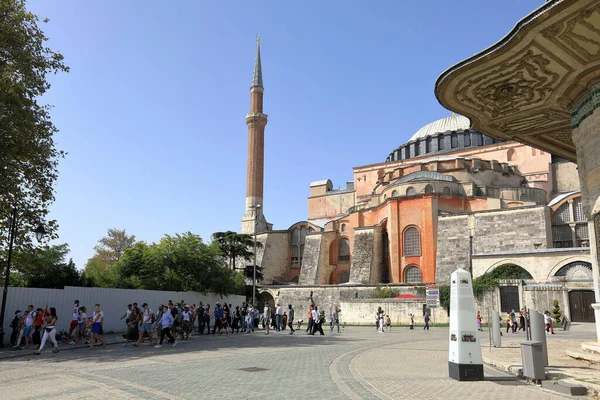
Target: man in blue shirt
[218, 314]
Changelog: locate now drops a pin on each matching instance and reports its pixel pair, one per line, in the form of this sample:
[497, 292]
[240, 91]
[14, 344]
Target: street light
[256, 210]
[12, 232]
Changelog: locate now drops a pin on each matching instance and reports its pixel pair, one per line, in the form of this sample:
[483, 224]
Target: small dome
[454, 122]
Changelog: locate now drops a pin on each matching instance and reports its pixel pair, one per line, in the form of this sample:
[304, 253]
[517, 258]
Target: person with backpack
[291, 319]
[17, 326]
[166, 323]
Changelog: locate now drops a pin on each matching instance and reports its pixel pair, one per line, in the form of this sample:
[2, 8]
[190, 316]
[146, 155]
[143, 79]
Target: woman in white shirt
[49, 331]
[97, 320]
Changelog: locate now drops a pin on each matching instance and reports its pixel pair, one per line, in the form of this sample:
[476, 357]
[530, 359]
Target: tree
[179, 263]
[101, 269]
[556, 311]
[249, 273]
[29, 158]
[235, 246]
[45, 267]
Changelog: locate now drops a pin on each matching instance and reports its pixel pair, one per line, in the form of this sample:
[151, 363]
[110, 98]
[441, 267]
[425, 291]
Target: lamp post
[256, 210]
[12, 232]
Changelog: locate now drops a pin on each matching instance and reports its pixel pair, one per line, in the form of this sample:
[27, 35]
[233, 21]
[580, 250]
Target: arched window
[428, 189]
[523, 197]
[407, 152]
[298, 239]
[417, 149]
[343, 277]
[454, 140]
[412, 242]
[343, 227]
[467, 139]
[479, 138]
[576, 271]
[413, 274]
[441, 145]
[395, 193]
[410, 191]
[344, 250]
[428, 145]
[510, 155]
[533, 152]
[446, 191]
[562, 215]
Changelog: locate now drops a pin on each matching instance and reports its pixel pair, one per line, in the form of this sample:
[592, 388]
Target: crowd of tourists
[174, 322]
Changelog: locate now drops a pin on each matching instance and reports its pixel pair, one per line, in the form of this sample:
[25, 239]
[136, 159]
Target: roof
[319, 222]
[319, 183]
[561, 197]
[454, 122]
[257, 80]
[425, 176]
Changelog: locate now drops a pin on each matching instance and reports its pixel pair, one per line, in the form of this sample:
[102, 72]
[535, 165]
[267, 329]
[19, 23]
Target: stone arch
[510, 155]
[266, 296]
[519, 263]
[566, 261]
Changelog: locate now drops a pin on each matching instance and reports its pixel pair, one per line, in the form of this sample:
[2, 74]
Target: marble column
[585, 121]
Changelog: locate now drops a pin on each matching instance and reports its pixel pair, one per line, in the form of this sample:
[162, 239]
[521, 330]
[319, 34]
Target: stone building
[450, 197]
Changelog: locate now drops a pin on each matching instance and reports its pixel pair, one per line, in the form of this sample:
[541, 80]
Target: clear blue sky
[152, 113]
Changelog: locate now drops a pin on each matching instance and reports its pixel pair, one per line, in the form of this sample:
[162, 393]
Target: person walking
[317, 323]
[145, 324]
[132, 328]
[166, 322]
[412, 322]
[49, 331]
[266, 315]
[97, 320]
[426, 319]
[291, 319]
[278, 317]
[479, 321]
[336, 318]
[311, 321]
[73, 324]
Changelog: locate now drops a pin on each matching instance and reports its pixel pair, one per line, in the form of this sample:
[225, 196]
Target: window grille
[509, 298]
[410, 191]
[562, 215]
[417, 149]
[413, 275]
[562, 236]
[295, 256]
[582, 235]
[428, 145]
[412, 242]
[428, 189]
[441, 145]
[446, 191]
[343, 227]
[344, 250]
[524, 197]
[467, 139]
[578, 210]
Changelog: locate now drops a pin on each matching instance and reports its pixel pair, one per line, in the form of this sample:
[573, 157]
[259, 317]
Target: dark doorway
[509, 298]
[580, 303]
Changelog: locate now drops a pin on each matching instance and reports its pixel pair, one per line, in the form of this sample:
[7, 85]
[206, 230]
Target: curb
[513, 369]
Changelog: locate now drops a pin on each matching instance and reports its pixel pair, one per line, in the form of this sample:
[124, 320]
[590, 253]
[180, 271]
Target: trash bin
[532, 355]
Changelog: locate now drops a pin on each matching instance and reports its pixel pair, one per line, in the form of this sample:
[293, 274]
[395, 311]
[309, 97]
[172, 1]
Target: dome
[454, 122]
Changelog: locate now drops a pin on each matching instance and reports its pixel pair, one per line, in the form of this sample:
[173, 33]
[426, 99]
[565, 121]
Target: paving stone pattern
[358, 363]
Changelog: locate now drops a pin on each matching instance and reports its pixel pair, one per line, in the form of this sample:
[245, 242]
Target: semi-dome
[454, 122]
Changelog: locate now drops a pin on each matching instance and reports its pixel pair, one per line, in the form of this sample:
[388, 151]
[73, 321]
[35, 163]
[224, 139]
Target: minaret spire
[257, 77]
[254, 219]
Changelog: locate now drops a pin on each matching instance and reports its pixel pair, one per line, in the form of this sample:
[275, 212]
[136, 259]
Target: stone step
[565, 387]
[584, 355]
[591, 347]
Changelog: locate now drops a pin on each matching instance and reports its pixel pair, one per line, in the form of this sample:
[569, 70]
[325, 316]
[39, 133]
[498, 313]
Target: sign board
[433, 296]
[433, 303]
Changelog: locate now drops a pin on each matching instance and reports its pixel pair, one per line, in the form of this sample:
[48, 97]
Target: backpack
[15, 322]
[153, 318]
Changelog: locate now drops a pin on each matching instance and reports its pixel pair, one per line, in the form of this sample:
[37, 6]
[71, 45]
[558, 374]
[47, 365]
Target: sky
[152, 113]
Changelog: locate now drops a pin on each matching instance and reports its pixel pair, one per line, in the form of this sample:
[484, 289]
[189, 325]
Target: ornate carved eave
[526, 86]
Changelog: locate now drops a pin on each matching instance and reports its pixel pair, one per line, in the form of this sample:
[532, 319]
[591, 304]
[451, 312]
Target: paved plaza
[357, 363]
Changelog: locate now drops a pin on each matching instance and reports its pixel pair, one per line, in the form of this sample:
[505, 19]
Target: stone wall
[452, 246]
[518, 229]
[367, 255]
[275, 255]
[310, 259]
[565, 176]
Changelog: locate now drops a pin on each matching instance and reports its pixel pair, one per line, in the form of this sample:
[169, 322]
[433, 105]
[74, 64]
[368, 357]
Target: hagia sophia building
[450, 197]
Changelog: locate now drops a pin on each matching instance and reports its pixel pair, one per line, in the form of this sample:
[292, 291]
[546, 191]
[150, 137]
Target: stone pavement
[562, 367]
[358, 363]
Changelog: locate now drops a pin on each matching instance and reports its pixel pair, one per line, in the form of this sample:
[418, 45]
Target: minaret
[256, 121]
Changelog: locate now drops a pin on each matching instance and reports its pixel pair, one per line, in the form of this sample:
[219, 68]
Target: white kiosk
[464, 355]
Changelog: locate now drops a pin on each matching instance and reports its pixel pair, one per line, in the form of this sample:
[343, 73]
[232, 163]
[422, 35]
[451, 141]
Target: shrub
[384, 293]
[556, 311]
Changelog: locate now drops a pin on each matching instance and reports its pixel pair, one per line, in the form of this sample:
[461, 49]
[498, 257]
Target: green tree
[179, 263]
[101, 269]
[235, 246]
[249, 273]
[384, 292]
[28, 157]
[45, 267]
[556, 314]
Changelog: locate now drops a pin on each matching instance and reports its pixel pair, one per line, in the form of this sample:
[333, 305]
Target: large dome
[454, 122]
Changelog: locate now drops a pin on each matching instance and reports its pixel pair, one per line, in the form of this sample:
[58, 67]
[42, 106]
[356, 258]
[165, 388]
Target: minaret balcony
[256, 115]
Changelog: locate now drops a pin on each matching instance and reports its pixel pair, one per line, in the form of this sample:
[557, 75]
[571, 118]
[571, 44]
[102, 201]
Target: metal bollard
[538, 333]
[496, 337]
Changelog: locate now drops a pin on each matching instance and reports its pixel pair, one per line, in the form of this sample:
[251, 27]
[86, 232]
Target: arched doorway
[265, 298]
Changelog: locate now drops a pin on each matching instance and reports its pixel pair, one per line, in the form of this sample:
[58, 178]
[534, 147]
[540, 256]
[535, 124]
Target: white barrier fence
[112, 301]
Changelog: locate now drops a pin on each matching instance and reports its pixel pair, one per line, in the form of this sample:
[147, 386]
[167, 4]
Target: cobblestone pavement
[358, 363]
